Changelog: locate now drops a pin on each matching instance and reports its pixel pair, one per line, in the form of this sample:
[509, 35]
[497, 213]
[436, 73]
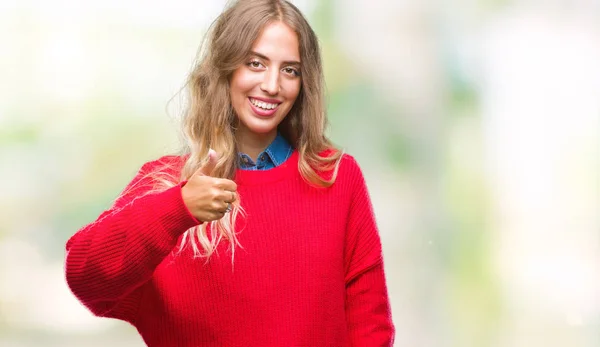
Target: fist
[208, 198]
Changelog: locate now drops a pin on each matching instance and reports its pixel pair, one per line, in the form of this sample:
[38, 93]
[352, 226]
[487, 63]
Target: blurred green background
[477, 124]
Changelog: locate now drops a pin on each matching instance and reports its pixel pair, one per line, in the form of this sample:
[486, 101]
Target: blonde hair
[209, 120]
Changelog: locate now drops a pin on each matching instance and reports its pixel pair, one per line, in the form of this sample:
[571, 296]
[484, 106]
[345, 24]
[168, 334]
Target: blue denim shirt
[278, 151]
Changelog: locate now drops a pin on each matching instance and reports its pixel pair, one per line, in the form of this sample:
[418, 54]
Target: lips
[263, 107]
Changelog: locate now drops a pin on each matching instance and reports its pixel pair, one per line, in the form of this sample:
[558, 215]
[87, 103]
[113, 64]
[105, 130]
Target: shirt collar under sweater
[286, 170]
[274, 155]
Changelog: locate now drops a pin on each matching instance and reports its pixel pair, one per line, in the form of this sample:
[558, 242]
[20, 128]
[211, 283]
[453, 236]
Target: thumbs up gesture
[208, 198]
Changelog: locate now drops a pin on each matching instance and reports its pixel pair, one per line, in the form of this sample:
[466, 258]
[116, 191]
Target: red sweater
[309, 272]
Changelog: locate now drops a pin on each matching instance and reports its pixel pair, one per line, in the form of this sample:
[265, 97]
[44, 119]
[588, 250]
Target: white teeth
[263, 105]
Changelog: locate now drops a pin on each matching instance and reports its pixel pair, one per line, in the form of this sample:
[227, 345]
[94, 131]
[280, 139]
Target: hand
[206, 197]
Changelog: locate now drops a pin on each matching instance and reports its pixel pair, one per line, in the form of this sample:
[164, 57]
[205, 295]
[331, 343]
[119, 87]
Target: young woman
[261, 233]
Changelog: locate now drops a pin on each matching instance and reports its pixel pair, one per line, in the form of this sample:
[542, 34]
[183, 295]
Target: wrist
[184, 198]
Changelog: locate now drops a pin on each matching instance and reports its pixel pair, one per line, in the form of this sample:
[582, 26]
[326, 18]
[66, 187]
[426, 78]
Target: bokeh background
[477, 124]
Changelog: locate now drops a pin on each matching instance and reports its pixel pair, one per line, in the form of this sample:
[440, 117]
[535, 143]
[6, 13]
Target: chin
[261, 129]
[260, 126]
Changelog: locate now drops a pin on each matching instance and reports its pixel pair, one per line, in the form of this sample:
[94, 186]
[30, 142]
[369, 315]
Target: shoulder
[333, 152]
[349, 162]
[153, 176]
[347, 169]
[168, 164]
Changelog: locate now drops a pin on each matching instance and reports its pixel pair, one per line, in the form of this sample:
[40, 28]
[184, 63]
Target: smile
[263, 105]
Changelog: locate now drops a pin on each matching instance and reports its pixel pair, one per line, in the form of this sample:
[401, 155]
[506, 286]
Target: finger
[225, 184]
[222, 212]
[226, 207]
[210, 164]
[217, 215]
[225, 196]
[230, 196]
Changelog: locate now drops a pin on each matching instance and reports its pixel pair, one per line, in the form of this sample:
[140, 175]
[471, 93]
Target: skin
[271, 71]
[207, 197]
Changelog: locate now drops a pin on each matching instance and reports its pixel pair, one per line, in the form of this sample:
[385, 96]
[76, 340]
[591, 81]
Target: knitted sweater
[309, 271]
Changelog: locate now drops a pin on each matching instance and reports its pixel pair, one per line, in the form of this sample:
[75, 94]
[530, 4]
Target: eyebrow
[262, 56]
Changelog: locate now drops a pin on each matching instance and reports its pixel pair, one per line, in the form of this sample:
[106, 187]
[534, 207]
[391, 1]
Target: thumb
[210, 164]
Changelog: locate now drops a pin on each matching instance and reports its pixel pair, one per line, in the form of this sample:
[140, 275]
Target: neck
[253, 144]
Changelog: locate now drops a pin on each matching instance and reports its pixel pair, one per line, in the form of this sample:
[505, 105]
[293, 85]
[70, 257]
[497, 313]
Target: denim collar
[274, 155]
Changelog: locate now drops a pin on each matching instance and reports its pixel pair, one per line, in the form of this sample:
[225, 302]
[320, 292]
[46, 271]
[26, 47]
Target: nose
[270, 83]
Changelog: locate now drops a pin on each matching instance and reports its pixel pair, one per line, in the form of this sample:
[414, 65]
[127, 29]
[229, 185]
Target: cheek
[293, 90]
[240, 84]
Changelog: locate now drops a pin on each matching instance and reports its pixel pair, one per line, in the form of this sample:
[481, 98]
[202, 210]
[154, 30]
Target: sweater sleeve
[109, 260]
[368, 312]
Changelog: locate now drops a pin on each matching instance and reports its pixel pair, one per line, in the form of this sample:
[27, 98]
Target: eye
[291, 71]
[254, 64]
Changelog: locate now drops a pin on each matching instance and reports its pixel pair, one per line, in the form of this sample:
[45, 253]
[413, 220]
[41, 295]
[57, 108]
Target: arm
[368, 313]
[109, 260]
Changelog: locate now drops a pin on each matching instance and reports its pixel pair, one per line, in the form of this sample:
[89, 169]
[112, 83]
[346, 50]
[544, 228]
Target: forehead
[278, 42]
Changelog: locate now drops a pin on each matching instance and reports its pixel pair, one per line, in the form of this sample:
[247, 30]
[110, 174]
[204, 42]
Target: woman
[261, 233]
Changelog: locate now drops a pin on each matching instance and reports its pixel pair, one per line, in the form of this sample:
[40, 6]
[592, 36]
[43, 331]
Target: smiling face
[265, 87]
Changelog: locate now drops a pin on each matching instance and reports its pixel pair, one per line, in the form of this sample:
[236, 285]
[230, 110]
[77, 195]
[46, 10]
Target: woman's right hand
[206, 197]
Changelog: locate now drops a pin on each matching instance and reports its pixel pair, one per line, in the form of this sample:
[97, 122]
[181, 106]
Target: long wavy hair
[209, 120]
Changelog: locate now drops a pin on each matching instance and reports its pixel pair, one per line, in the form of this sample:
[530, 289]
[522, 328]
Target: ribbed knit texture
[310, 272]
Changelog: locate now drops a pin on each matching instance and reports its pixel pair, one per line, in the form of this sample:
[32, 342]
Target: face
[265, 87]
